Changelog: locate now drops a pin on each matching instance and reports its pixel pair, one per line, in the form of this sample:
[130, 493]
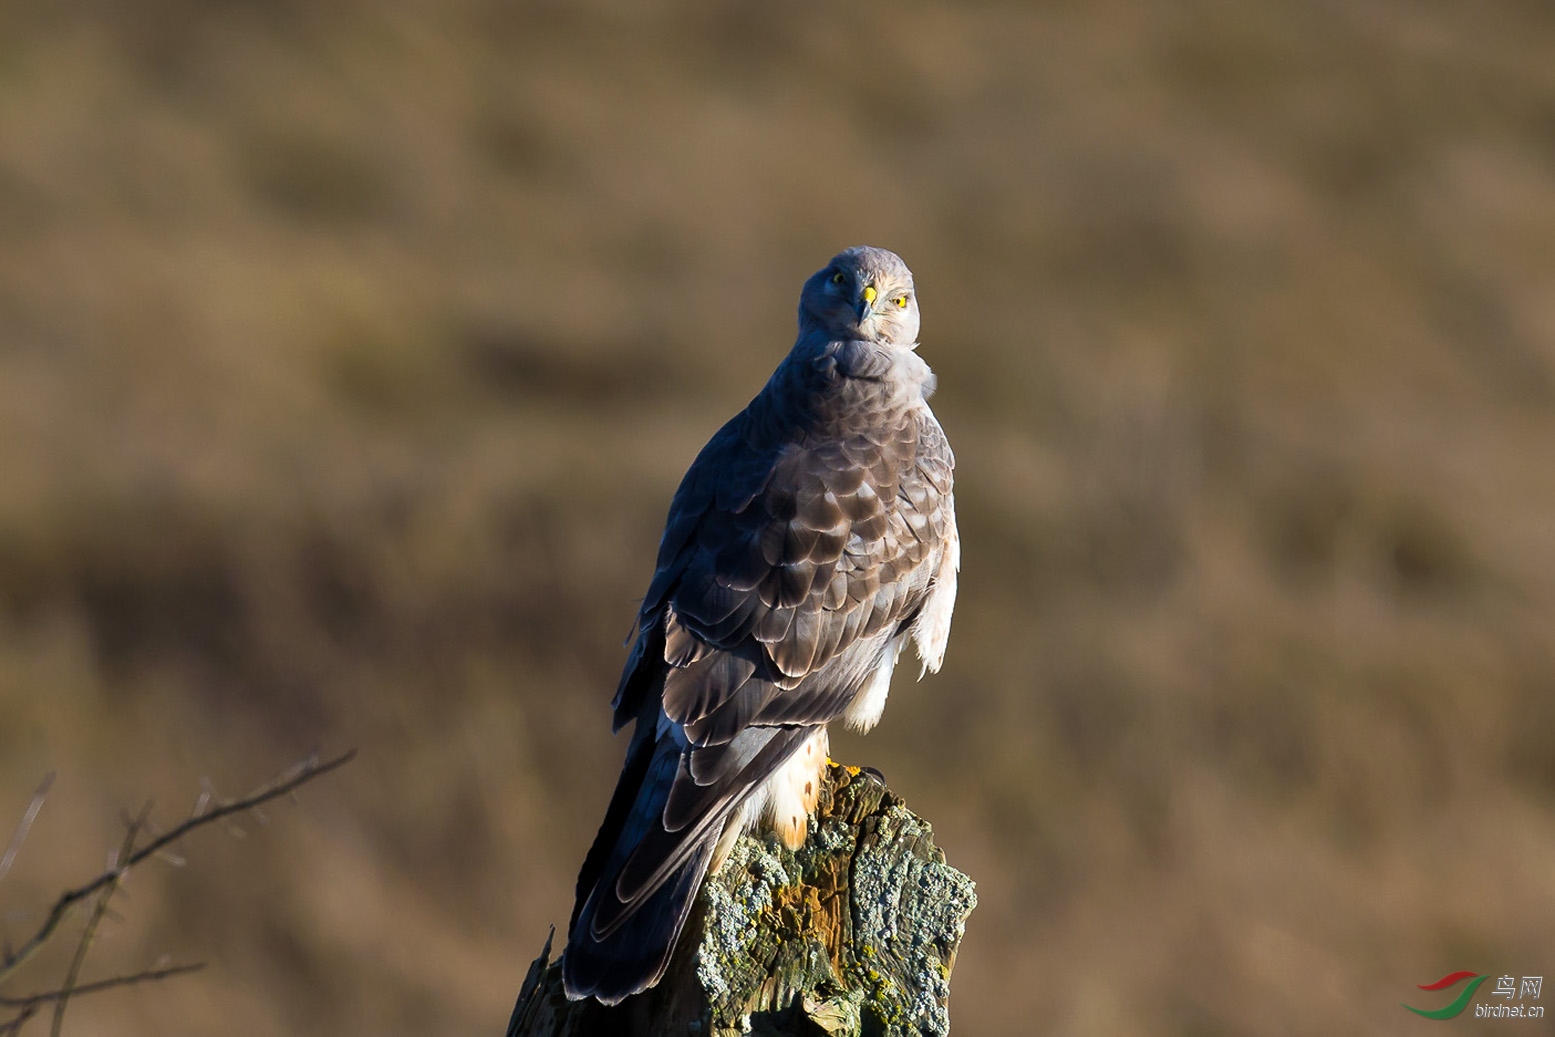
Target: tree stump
[853, 934]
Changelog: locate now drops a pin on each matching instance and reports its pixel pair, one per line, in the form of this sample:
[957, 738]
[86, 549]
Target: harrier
[813, 537]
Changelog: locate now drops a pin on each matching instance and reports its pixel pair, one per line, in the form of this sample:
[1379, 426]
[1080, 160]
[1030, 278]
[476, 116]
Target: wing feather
[693, 691]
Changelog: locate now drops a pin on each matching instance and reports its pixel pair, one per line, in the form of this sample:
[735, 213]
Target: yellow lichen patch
[802, 913]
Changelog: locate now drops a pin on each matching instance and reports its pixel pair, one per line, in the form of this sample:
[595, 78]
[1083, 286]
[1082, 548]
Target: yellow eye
[901, 302]
[837, 278]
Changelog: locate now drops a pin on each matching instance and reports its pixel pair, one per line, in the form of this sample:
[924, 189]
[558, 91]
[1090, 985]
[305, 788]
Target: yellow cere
[869, 293]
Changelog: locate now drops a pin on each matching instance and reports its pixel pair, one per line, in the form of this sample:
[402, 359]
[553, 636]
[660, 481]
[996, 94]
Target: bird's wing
[779, 556]
[785, 571]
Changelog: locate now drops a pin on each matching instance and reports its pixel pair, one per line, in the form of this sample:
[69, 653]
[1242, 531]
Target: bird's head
[863, 293]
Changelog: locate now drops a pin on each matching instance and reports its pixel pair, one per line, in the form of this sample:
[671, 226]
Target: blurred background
[350, 353]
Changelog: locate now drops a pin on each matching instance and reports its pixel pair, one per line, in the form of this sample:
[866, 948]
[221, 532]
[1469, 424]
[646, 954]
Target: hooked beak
[866, 302]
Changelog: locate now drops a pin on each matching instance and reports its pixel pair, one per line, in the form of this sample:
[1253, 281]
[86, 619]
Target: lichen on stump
[854, 933]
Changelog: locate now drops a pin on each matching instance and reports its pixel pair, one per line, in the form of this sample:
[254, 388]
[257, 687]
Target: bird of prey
[812, 538]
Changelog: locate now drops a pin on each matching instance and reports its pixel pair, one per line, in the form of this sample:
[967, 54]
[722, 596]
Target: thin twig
[298, 776]
[73, 975]
[13, 1026]
[33, 1001]
[15, 845]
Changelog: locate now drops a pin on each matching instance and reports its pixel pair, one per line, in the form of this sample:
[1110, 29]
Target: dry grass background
[349, 354]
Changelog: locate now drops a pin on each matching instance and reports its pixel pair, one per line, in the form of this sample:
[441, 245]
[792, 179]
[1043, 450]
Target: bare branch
[73, 975]
[294, 778]
[32, 1002]
[15, 845]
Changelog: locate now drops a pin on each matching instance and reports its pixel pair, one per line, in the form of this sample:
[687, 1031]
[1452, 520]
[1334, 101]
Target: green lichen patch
[782, 924]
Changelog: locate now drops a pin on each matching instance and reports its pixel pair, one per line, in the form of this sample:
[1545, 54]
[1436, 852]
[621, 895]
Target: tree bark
[853, 934]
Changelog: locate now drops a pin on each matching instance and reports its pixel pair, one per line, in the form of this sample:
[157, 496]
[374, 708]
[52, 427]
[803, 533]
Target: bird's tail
[670, 809]
[634, 950]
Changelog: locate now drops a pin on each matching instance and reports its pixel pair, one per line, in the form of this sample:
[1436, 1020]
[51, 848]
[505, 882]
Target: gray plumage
[811, 538]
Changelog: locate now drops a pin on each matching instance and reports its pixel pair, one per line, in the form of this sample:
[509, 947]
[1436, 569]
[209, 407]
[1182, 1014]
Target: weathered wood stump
[853, 934]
